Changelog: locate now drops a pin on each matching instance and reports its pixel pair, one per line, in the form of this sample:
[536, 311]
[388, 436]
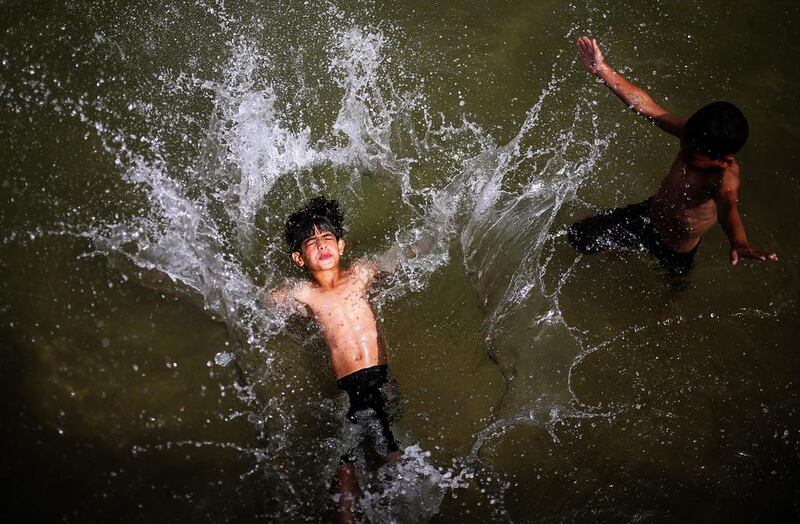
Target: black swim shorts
[628, 227]
[367, 389]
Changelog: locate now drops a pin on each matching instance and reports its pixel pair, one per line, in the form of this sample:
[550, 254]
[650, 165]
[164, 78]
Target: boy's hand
[739, 252]
[634, 97]
[590, 55]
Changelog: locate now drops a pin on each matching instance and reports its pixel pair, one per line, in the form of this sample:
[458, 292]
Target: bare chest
[346, 306]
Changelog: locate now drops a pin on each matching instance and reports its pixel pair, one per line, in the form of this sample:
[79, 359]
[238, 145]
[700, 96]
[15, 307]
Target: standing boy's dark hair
[319, 213]
[716, 130]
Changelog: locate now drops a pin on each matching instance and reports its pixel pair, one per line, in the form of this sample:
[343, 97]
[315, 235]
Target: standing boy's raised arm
[633, 96]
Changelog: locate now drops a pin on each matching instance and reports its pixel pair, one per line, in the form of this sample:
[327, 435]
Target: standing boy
[700, 189]
[337, 299]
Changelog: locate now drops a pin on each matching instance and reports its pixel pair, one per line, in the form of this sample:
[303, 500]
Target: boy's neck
[705, 164]
[326, 278]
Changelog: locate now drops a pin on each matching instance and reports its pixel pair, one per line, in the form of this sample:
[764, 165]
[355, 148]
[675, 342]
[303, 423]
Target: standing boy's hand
[739, 252]
[590, 55]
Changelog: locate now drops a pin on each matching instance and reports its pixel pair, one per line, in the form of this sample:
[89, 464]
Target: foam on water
[259, 147]
[410, 490]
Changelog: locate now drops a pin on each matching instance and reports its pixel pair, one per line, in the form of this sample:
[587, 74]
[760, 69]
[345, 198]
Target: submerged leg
[610, 229]
[349, 493]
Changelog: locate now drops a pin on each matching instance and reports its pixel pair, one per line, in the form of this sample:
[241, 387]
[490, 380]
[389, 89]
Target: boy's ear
[341, 245]
[728, 159]
[297, 258]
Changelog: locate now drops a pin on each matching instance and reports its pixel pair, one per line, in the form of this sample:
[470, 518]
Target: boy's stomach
[347, 360]
[682, 228]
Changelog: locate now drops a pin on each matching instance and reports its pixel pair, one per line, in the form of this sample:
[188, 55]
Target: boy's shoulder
[292, 291]
[363, 268]
[716, 181]
[360, 272]
[706, 171]
[730, 179]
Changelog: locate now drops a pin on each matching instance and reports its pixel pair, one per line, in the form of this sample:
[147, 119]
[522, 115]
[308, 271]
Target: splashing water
[152, 153]
[410, 490]
[210, 203]
[503, 200]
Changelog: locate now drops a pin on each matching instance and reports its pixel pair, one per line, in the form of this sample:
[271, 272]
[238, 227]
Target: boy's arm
[276, 297]
[633, 96]
[283, 298]
[731, 222]
[423, 245]
[386, 263]
[381, 265]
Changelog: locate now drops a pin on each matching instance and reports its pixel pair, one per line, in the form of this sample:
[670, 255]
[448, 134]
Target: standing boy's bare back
[700, 189]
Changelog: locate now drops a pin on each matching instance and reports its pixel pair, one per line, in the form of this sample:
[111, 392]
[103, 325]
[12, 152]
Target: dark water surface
[149, 156]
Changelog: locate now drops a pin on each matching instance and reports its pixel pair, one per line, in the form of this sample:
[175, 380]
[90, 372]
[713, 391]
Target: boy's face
[319, 252]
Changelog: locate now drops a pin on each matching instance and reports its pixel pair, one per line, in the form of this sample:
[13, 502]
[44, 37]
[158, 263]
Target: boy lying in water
[337, 298]
[700, 189]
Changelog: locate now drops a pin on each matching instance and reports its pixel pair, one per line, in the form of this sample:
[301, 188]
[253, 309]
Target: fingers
[582, 45]
[737, 254]
[589, 54]
[585, 45]
[597, 52]
[757, 255]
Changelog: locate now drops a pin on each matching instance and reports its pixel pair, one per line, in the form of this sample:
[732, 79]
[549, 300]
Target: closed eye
[327, 237]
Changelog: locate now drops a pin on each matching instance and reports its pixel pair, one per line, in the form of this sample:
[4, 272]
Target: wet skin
[337, 298]
[685, 206]
[698, 191]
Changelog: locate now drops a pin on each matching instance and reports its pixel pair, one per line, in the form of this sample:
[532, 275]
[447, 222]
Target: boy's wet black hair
[319, 213]
[716, 130]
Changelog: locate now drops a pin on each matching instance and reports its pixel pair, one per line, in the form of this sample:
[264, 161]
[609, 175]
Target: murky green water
[150, 154]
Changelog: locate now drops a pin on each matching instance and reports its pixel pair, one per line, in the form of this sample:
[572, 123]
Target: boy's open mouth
[325, 256]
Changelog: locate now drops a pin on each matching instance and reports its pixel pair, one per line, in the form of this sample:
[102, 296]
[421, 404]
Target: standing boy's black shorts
[628, 227]
[367, 389]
